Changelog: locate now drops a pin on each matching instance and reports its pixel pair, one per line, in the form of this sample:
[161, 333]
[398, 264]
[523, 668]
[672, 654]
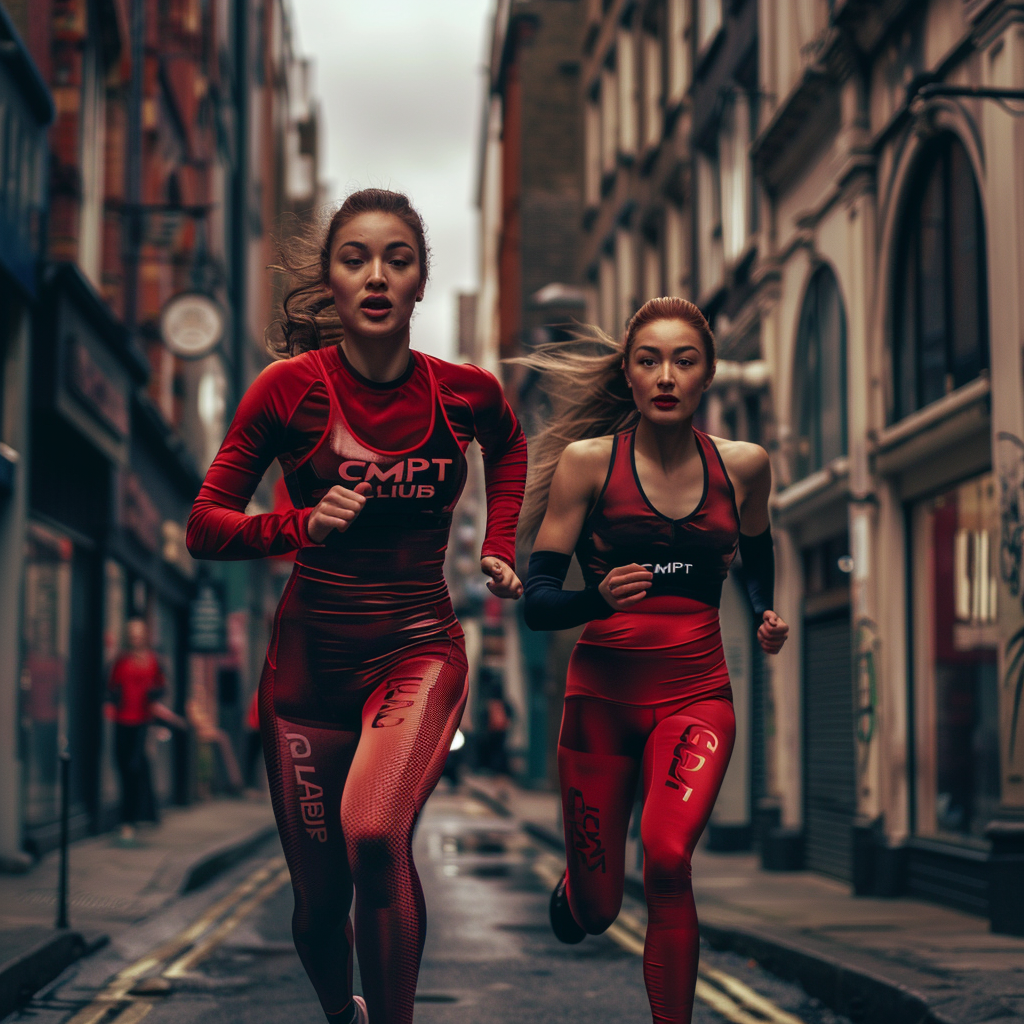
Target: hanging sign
[192, 325]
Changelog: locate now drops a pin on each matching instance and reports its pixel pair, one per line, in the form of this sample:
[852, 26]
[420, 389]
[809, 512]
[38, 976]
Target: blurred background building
[836, 184]
[150, 151]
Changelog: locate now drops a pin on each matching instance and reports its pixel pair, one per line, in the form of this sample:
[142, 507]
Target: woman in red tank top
[654, 511]
[365, 678]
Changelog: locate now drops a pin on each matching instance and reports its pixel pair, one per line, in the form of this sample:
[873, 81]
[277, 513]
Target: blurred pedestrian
[253, 745]
[654, 511]
[497, 720]
[136, 681]
[365, 678]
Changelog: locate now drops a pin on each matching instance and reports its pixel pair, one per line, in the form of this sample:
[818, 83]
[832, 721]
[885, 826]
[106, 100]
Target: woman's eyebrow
[365, 248]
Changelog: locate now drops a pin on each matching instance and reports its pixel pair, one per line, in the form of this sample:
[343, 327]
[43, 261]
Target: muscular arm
[218, 527]
[750, 470]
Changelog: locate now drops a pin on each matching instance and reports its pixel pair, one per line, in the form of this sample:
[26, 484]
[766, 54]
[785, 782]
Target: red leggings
[348, 780]
[683, 750]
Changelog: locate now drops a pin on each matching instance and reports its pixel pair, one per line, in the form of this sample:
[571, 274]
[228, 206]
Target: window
[628, 92]
[941, 311]
[676, 241]
[734, 147]
[677, 55]
[653, 87]
[606, 294]
[956, 547]
[609, 120]
[625, 274]
[820, 376]
[709, 223]
[592, 152]
[709, 21]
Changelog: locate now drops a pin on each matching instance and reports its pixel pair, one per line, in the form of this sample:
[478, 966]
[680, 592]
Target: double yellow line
[127, 998]
[726, 995]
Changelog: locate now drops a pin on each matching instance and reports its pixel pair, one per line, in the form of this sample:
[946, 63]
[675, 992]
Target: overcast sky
[400, 86]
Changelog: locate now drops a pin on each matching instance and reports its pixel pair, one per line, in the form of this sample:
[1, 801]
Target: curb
[225, 856]
[25, 975]
[857, 993]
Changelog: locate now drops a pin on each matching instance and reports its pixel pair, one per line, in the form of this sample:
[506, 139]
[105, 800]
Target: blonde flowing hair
[584, 382]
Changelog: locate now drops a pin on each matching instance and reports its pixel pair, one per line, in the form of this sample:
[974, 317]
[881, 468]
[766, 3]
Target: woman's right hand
[625, 585]
[336, 511]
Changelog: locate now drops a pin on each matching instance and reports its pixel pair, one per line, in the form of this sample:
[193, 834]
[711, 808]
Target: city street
[226, 954]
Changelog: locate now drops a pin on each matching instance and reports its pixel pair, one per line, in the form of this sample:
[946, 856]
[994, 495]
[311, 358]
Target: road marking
[734, 1000]
[116, 996]
[184, 964]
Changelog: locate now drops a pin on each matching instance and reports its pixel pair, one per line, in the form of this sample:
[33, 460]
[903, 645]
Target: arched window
[820, 376]
[940, 328]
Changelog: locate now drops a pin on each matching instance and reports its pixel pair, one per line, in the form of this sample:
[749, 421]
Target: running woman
[654, 510]
[365, 678]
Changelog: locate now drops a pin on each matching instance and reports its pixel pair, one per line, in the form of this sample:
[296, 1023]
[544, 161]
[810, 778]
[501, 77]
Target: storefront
[27, 110]
[84, 373]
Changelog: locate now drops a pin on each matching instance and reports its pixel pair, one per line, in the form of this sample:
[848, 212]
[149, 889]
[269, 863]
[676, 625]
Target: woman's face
[375, 275]
[668, 371]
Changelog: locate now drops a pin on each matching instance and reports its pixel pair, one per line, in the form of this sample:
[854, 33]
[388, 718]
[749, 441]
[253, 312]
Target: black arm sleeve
[548, 606]
[758, 572]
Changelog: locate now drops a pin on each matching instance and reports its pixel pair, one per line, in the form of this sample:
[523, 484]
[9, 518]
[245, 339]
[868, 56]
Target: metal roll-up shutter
[829, 781]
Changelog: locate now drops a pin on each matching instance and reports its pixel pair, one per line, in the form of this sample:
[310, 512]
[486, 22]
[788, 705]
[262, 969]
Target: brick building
[180, 134]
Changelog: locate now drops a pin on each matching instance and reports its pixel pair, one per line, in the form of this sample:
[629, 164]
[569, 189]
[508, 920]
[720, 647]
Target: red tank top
[413, 491]
[689, 557]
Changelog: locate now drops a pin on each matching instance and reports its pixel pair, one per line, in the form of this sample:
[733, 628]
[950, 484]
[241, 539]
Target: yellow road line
[722, 1004]
[726, 995]
[134, 1013]
[184, 964]
[744, 994]
[116, 993]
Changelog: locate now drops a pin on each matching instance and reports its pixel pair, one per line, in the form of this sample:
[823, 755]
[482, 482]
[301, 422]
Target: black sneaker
[563, 924]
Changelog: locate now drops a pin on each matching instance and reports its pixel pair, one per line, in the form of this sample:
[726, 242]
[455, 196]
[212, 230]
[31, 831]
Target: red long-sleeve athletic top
[327, 424]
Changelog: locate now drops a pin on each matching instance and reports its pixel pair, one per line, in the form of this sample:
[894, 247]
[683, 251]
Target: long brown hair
[308, 318]
[584, 381]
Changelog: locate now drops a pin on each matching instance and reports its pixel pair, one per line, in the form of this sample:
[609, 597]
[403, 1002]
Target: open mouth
[666, 402]
[376, 306]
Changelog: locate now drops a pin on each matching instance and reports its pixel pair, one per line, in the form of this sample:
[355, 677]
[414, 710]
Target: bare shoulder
[746, 462]
[584, 464]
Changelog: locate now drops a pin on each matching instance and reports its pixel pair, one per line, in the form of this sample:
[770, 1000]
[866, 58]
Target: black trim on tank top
[607, 478]
[377, 385]
[650, 504]
[728, 479]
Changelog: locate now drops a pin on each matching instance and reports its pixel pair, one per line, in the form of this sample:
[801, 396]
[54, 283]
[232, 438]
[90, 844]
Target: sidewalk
[110, 887]
[878, 961]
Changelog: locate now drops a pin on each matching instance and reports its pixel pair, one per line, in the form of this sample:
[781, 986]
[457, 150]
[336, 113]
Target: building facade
[159, 174]
[894, 231]
[529, 195]
[832, 185]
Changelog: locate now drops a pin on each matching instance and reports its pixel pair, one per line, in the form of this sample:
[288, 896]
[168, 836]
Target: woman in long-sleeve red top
[365, 677]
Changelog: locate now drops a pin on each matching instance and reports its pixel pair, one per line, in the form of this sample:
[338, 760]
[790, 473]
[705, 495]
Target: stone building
[835, 185]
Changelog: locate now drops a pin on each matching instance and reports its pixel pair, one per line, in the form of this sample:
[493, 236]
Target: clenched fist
[336, 511]
[625, 585]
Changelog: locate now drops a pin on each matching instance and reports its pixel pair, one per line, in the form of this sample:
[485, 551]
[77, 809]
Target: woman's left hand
[503, 582]
[772, 633]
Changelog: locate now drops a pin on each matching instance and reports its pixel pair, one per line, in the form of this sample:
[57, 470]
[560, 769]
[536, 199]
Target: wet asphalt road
[490, 955]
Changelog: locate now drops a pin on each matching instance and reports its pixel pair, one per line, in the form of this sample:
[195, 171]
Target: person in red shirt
[136, 681]
[365, 678]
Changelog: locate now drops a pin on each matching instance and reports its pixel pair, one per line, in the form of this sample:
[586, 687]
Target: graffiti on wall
[865, 688]
[1010, 460]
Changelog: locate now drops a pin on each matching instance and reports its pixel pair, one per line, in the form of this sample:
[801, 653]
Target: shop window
[46, 640]
[956, 539]
[820, 376]
[940, 328]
